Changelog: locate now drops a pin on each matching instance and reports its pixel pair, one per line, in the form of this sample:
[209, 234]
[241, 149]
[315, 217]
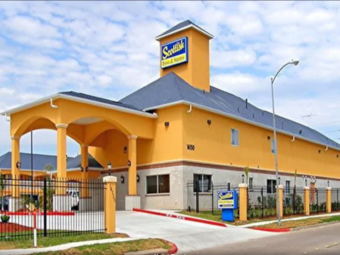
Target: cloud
[108, 49]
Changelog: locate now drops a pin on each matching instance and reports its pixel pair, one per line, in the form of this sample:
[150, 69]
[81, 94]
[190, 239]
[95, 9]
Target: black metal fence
[56, 207]
[293, 201]
[335, 200]
[261, 202]
[317, 200]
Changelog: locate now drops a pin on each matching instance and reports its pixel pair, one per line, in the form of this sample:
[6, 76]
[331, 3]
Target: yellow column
[306, 200]
[61, 157]
[243, 202]
[329, 200]
[110, 204]
[281, 200]
[133, 165]
[15, 165]
[84, 173]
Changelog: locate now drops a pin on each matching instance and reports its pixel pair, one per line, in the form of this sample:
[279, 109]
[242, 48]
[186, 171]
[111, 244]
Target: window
[271, 186]
[287, 187]
[251, 183]
[272, 146]
[204, 182]
[158, 184]
[234, 137]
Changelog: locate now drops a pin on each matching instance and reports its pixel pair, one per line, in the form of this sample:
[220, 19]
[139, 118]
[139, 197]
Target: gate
[55, 207]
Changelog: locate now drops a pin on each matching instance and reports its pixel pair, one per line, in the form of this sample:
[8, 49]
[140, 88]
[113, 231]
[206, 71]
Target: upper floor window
[234, 137]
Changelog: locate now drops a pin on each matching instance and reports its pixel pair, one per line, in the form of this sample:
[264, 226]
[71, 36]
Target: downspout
[293, 138]
[190, 109]
[53, 105]
[326, 148]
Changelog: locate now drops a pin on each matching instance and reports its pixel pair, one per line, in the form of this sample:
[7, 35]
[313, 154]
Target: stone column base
[62, 203]
[132, 202]
[14, 204]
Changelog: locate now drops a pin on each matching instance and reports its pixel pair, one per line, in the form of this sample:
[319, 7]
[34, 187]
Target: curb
[279, 230]
[174, 248]
[179, 217]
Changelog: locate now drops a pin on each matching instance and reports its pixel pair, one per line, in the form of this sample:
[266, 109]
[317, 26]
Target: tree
[2, 187]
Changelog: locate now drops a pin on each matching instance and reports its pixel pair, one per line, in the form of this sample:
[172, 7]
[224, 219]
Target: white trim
[80, 100]
[132, 137]
[14, 137]
[237, 118]
[184, 28]
[78, 169]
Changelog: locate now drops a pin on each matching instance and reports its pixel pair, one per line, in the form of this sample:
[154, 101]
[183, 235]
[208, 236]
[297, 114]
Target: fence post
[45, 207]
[110, 204]
[317, 201]
[197, 196]
[337, 199]
[294, 200]
[306, 200]
[212, 196]
[328, 199]
[262, 201]
[280, 190]
[243, 202]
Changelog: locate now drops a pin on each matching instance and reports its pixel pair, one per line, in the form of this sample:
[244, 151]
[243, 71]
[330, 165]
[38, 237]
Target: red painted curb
[279, 230]
[180, 217]
[39, 213]
[174, 249]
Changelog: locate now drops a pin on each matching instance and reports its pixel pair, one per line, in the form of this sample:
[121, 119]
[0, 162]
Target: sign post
[227, 201]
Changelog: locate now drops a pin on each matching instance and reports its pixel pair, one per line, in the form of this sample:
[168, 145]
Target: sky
[108, 49]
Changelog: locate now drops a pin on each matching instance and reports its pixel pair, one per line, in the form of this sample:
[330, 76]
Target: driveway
[188, 236]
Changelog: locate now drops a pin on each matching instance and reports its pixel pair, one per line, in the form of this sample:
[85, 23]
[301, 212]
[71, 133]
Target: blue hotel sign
[174, 53]
[228, 202]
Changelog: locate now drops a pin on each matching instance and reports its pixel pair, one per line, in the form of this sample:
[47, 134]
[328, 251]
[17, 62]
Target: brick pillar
[110, 204]
[328, 199]
[280, 190]
[306, 200]
[243, 202]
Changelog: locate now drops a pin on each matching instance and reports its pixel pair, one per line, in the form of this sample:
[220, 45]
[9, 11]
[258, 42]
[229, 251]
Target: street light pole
[294, 62]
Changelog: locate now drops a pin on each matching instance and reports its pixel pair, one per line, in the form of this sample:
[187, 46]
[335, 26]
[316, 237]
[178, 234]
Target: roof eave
[184, 28]
[76, 99]
[198, 106]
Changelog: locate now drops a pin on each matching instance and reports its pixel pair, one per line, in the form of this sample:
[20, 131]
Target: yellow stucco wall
[197, 70]
[213, 144]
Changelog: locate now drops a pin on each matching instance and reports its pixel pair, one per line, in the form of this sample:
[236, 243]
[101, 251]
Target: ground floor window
[158, 184]
[204, 182]
[251, 185]
[271, 186]
[287, 187]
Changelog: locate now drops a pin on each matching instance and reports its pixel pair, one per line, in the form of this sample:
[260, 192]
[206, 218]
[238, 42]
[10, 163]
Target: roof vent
[262, 113]
[300, 132]
[246, 102]
[238, 109]
[253, 115]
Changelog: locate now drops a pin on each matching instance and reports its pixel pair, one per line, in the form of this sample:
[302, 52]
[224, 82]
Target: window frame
[202, 182]
[251, 187]
[237, 137]
[272, 186]
[157, 185]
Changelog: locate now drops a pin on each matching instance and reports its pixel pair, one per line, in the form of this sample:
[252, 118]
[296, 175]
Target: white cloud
[226, 59]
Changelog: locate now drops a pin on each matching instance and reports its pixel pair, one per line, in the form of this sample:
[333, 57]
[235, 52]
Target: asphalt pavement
[317, 240]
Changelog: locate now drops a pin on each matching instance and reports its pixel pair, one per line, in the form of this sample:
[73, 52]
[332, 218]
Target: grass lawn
[217, 216]
[56, 240]
[114, 248]
[303, 223]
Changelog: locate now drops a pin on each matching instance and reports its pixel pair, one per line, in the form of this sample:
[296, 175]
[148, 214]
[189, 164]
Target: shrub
[5, 218]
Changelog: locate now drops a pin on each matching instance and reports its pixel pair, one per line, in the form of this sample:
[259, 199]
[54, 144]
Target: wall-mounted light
[337, 155]
[209, 122]
[328, 183]
[125, 149]
[138, 178]
[129, 163]
[166, 124]
[279, 180]
[319, 151]
[242, 178]
[122, 179]
[268, 137]
[18, 164]
[109, 166]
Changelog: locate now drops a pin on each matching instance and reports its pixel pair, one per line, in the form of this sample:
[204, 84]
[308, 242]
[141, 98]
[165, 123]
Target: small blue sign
[174, 53]
[227, 201]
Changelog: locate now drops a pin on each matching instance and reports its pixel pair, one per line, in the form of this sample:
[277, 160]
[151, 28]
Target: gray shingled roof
[98, 99]
[181, 25]
[171, 88]
[40, 161]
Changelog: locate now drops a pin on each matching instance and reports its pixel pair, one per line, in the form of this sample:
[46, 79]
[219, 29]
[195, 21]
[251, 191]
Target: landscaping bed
[115, 248]
[12, 228]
